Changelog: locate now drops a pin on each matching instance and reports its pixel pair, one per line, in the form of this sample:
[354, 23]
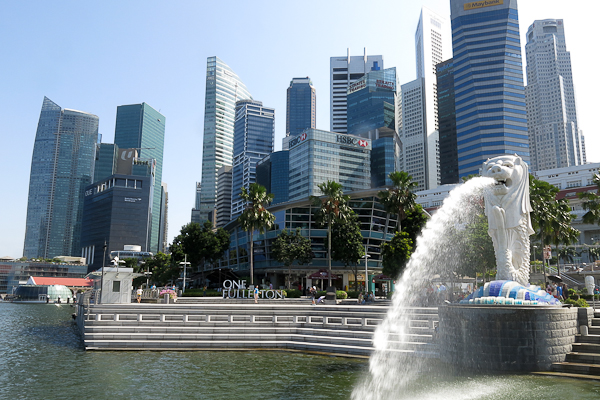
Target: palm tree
[400, 198]
[255, 216]
[591, 203]
[332, 206]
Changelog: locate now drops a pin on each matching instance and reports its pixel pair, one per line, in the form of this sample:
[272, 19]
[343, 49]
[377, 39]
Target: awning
[322, 274]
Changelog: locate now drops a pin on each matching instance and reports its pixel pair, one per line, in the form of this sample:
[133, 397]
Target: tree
[399, 199]
[290, 247]
[200, 243]
[478, 255]
[332, 206]
[255, 216]
[414, 222]
[347, 243]
[550, 218]
[591, 203]
[396, 253]
[162, 268]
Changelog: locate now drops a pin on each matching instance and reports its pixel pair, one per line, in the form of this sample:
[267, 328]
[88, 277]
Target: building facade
[118, 212]
[555, 139]
[344, 71]
[371, 113]
[14, 272]
[273, 172]
[254, 137]
[377, 227]
[223, 89]
[491, 117]
[318, 156]
[224, 196]
[62, 165]
[301, 110]
[447, 123]
[142, 128]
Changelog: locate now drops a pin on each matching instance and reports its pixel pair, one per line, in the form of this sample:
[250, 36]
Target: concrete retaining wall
[505, 338]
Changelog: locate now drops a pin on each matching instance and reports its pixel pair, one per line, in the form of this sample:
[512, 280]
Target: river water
[42, 357]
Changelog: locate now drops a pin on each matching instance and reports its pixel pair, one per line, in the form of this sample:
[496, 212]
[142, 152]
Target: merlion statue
[507, 208]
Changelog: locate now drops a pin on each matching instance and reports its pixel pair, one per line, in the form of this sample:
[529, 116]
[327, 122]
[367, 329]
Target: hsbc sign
[352, 141]
[301, 138]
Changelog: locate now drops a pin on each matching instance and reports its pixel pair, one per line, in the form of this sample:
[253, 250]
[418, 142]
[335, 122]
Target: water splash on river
[437, 255]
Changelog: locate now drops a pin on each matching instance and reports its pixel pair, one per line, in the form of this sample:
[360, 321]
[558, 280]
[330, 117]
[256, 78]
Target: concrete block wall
[506, 338]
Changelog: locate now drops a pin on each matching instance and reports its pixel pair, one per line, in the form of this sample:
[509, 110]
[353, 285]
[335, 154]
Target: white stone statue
[507, 208]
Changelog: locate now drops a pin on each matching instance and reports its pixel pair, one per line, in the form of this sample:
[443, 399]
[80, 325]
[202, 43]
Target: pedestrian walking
[256, 294]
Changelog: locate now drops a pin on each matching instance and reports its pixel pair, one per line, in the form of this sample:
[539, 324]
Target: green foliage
[162, 268]
[332, 206]
[478, 255]
[400, 198]
[396, 253]
[255, 216]
[200, 243]
[414, 222]
[577, 303]
[347, 242]
[293, 293]
[290, 247]
[591, 203]
[352, 294]
[199, 292]
[340, 294]
[551, 218]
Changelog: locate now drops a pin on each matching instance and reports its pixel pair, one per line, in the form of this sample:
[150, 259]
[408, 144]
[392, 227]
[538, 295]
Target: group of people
[365, 298]
[558, 290]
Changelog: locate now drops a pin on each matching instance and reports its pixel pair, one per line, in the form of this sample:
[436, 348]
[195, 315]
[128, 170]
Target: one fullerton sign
[238, 290]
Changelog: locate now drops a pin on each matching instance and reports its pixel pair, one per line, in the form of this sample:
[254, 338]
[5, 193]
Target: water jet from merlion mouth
[437, 254]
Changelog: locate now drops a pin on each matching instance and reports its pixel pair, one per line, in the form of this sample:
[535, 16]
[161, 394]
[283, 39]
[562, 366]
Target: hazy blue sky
[95, 56]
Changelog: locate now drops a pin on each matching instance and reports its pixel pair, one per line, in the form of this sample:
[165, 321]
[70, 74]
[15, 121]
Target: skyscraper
[61, 166]
[223, 89]
[254, 138]
[488, 82]
[419, 134]
[344, 71]
[224, 196]
[372, 114]
[447, 123]
[301, 111]
[555, 140]
[141, 127]
[273, 172]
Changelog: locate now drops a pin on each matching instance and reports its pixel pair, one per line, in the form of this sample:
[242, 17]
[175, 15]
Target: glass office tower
[273, 172]
[254, 137]
[141, 127]
[301, 112]
[223, 89]
[61, 166]
[555, 139]
[447, 123]
[491, 118]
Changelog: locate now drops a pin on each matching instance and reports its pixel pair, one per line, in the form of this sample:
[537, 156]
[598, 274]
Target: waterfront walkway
[217, 324]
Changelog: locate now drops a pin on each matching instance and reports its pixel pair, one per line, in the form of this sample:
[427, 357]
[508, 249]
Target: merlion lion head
[510, 173]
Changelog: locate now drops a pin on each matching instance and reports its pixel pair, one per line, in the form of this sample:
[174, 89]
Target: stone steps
[345, 330]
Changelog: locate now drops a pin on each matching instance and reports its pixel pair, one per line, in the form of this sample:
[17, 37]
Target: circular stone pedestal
[505, 338]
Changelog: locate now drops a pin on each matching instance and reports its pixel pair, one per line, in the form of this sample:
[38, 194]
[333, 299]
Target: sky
[95, 56]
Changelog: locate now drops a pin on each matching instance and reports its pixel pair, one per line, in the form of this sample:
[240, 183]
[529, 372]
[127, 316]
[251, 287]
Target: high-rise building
[224, 196]
[372, 114]
[254, 137]
[223, 89]
[344, 71]
[301, 111]
[196, 217]
[106, 161]
[418, 133]
[555, 139]
[317, 156]
[273, 172]
[141, 127]
[491, 118]
[447, 123]
[62, 165]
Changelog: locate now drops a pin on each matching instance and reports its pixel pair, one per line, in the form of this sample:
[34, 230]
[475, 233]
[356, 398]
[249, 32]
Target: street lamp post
[102, 274]
[185, 264]
[366, 257]
[534, 249]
